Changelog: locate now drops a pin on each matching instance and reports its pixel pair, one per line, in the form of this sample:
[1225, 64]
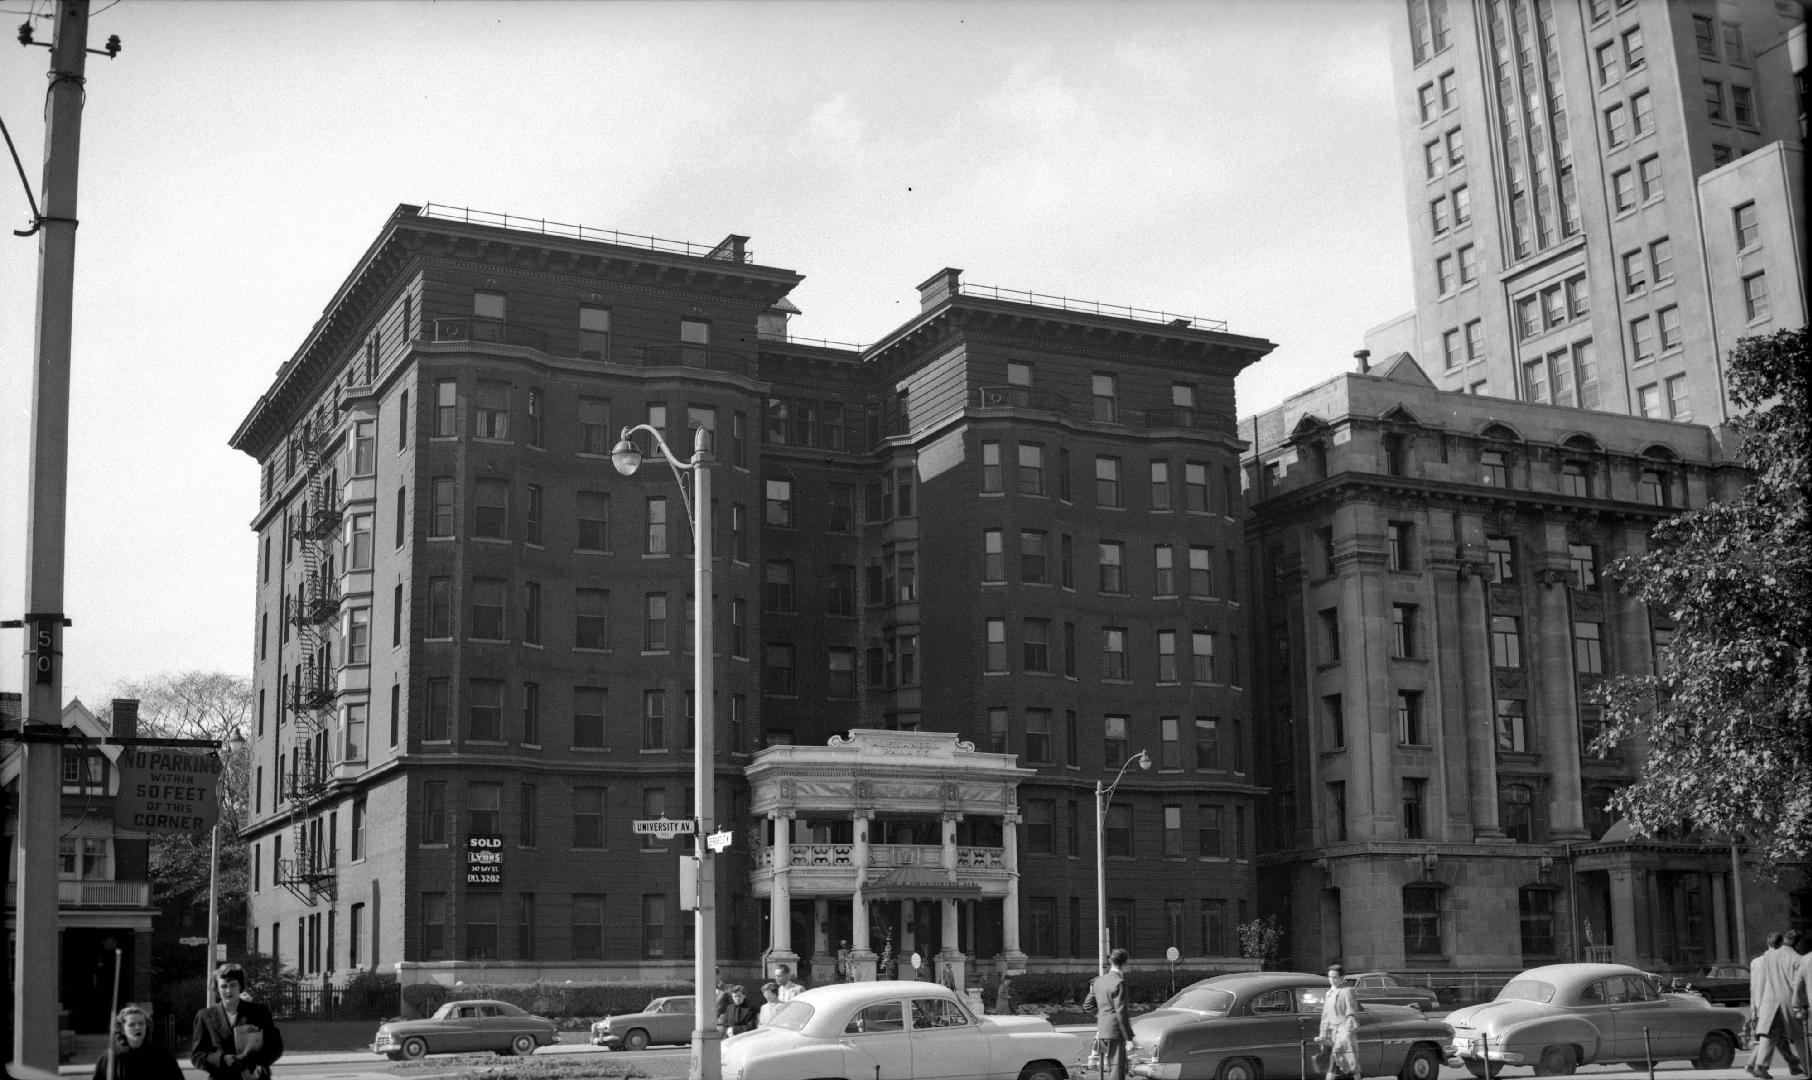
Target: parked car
[1720, 984]
[460, 1026]
[897, 1030]
[666, 1021]
[1562, 1016]
[1263, 1024]
[1383, 988]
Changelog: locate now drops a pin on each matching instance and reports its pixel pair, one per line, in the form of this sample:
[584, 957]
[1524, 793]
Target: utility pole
[41, 776]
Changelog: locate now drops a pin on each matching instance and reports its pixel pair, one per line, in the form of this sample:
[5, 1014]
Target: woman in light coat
[1340, 1025]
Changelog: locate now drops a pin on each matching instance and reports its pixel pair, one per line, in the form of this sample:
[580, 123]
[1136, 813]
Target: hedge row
[561, 1000]
[590, 1001]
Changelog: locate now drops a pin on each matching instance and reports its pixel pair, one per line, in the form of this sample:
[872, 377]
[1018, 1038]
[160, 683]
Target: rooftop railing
[1093, 307]
[725, 251]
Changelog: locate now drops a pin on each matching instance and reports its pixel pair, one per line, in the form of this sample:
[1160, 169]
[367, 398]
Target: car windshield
[793, 1016]
[1527, 990]
[1202, 1000]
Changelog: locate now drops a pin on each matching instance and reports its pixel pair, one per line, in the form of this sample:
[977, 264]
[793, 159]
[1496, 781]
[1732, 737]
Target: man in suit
[1770, 995]
[1802, 1005]
[236, 1039]
[1113, 1027]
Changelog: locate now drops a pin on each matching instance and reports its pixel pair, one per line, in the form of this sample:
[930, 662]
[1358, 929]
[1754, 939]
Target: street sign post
[664, 828]
[719, 840]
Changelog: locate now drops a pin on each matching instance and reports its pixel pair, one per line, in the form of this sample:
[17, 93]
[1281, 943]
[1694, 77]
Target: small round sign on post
[1171, 954]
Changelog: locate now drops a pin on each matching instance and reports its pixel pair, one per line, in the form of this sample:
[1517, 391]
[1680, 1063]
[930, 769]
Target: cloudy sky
[1229, 159]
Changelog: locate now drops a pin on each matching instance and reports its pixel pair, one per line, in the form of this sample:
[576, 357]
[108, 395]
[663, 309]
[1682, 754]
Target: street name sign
[662, 827]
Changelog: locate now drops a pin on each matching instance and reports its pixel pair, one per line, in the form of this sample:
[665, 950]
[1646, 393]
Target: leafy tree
[1726, 723]
[1261, 940]
[198, 705]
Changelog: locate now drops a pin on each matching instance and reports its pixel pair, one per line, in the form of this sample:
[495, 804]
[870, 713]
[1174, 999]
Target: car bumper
[1463, 1050]
[386, 1045]
[606, 1040]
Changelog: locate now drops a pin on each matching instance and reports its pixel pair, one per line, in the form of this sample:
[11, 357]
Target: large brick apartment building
[1012, 518]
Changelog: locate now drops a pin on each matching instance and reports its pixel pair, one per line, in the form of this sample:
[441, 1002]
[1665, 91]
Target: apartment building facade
[1604, 196]
[1012, 519]
[1434, 615]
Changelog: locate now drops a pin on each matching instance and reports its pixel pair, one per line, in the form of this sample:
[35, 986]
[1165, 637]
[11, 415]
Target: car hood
[632, 1018]
[1495, 1015]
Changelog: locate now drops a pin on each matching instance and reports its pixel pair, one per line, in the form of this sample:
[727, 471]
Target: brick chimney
[125, 718]
[1364, 356]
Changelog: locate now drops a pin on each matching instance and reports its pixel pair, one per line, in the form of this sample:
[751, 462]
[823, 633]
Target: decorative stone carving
[1477, 569]
[1552, 576]
[1510, 682]
[1588, 607]
[1506, 597]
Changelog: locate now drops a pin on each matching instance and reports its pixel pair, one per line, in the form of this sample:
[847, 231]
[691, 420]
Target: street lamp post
[1102, 795]
[706, 1062]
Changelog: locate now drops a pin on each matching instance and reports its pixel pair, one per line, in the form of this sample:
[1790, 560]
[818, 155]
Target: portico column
[1720, 916]
[1009, 910]
[780, 897]
[861, 957]
[1623, 915]
[821, 949]
[949, 958]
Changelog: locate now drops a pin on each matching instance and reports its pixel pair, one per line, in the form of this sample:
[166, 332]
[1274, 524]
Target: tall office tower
[1604, 196]
[1013, 522]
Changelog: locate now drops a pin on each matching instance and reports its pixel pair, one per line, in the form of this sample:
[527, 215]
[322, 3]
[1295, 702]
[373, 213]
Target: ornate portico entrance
[878, 833]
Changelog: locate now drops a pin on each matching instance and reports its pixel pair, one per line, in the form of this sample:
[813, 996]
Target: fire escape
[309, 872]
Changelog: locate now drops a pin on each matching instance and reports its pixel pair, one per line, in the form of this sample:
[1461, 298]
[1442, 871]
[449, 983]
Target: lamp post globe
[626, 457]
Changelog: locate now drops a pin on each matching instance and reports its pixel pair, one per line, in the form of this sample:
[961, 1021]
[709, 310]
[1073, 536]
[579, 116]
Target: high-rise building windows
[1742, 105]
[1678, 407]
[1642, 113]
[1633, 50]
[1755, 297]
[1469, 264]
[1648, 174]
[1748, 229]
[1714, 100]
[1648, 400]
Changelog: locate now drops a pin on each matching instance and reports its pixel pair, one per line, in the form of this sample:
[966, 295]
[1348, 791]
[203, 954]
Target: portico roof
[919, 883]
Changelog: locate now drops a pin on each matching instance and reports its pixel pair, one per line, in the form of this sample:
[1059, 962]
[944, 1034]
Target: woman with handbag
[1340, 1025]
[236, 1039]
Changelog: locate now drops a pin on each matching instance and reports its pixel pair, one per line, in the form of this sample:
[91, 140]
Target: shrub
[421, 999]
[368, 995]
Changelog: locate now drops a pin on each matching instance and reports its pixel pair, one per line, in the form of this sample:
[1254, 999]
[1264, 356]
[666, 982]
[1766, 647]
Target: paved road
[669, 1062]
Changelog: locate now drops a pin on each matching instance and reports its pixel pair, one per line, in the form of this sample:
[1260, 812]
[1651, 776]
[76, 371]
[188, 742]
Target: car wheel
[1483, 1070]
[522, 1045]
[1421, 1064]
[1716, 1052]
[1238, 1069]
[415, 1048]
[1556, 1061]
[1043, 1070]
[636, 1040]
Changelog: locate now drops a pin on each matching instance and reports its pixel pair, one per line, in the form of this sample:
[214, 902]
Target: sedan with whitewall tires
[1264, 1025]
[897, 1030]
[1556, 1018]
